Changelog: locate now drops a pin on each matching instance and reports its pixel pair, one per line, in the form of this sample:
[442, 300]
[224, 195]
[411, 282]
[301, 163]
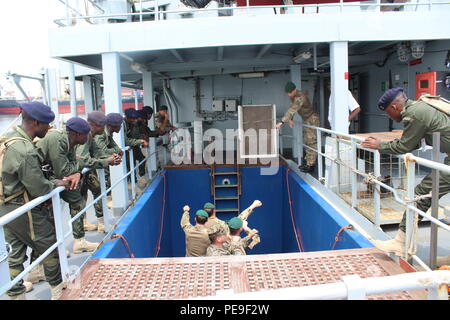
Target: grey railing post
[132, 175]
[434, 201]
[376, 194]
[319, 156]
[102, 180]
[4, 267]
[354, 180]
[410, 182]
[57, 214]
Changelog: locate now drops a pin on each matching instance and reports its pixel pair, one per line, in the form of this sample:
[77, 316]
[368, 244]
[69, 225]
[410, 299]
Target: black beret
[163, 108]
[142, 114]
[388, 97]
[148, 110]
[38, 111]
[78, 125]
[97, 117]
[131, 113]
[114, 119]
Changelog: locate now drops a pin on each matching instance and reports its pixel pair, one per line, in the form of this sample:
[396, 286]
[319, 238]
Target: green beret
[289, 87]
[163, 108]
[209, 205]
[235, 223]
[201, 213]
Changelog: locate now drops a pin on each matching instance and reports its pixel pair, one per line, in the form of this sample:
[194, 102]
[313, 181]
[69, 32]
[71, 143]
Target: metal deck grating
[181, 278]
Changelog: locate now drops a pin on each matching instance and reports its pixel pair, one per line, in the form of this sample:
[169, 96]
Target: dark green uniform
[22, 171]
[54, 150]
[421, 121]
[86, 153]
[104, 145]
[133, 138]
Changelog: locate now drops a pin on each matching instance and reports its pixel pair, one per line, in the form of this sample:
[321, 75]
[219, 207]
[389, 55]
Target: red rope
[297, 237]
[158, 246]
[337, 239]
[117, 236]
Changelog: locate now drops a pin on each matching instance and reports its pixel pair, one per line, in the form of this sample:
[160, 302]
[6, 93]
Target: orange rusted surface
[182, 278]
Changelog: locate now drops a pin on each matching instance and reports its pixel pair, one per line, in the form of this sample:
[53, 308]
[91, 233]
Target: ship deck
[195, 277]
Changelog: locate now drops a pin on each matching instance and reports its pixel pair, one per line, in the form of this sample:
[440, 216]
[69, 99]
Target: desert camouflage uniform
[300, 104]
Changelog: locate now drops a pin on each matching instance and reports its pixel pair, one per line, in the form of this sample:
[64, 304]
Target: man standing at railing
[58, 149]
[87, 154]
[23, 181]
[300, 104]
[420, 121]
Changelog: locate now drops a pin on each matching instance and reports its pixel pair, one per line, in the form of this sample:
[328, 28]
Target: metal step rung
[224, 173]
[226, 185]
[228, 198]
[228, 210]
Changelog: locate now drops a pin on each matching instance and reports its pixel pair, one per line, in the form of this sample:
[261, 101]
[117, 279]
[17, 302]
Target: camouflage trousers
[310, 139]
[76, 204]
[423, 188]
[18, 235]
[91, 182]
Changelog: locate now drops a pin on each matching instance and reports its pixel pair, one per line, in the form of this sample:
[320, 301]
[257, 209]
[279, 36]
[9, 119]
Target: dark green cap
[201, 213]
[289, 87]
[235, 223]
[209, 205]
[163, 108]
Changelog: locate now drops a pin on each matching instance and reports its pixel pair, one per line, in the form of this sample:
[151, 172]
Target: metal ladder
[226, 195]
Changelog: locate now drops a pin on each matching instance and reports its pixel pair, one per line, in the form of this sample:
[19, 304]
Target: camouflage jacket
[104, 145]
[299, 104]
[87, 153]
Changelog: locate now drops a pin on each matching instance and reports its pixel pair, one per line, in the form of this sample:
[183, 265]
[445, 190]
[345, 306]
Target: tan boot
[443, 260]
[143, 182]
[36, 274]
[18, 297]
[101, 225]
[109, 204]
[80, 245]
[57, 291]
[88, 226]
[396, 245]
[28, 286]
[67, 253]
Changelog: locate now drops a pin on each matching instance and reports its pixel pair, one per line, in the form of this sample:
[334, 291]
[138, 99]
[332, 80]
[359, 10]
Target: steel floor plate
[182, 278]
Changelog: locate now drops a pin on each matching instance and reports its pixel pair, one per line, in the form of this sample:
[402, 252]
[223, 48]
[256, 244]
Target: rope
[418, 198]
[297, 237]
[337, 239]
[117, 236]
[158, 245]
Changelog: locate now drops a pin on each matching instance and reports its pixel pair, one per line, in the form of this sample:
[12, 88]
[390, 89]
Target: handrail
[352, 287]
[249, 8]
[407, 158]
[60, 236]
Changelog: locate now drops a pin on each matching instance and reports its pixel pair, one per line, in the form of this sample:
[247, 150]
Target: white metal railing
[352, 287]
[5, 249]
[376, 6]
[374, 178]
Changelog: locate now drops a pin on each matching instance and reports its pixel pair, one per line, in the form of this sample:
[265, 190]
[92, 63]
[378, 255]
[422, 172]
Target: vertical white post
[198, 141]
[59, 230]
[50, 79]
[377, 189]
[319, 157]
[73, 90]
[106, 217]
[133, 176]
[113, 103]
[410, 215]
[4, 266]
[297, 132]
[136, 103]
[88, 94]
[339, 85]
[353, 176]
[147, 82]
[98, 95]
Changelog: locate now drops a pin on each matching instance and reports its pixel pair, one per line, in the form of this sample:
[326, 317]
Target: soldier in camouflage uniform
[420, 121]
[162, 122]
[300, 104]
[58, 150]
[197, 239]
[218, 246]
[134, 139]
[86, 153]
[24, 181]
[238, 245]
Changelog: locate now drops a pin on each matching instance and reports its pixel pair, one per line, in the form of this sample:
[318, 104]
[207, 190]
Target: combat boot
[88, 226]
[101, 225]
[81, 245]
[28, 286]
[143, 182]
[57, 291]
[443, 260]
[396, 245]
[36, 274]
[109, 204]
[19, 297]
